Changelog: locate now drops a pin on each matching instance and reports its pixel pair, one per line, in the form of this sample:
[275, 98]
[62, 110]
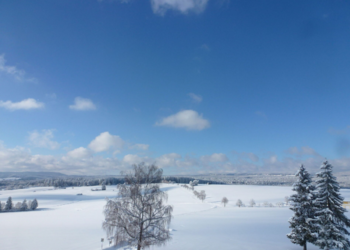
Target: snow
[65, 220]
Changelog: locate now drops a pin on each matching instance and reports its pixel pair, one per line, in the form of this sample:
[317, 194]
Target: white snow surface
[65, 220]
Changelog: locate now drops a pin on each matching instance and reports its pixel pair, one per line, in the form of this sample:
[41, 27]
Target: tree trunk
[140, 238]
[305, 248]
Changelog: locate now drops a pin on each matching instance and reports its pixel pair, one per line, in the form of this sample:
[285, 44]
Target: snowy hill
[65, 220]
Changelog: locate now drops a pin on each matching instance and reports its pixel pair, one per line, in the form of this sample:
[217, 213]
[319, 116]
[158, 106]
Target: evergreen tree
[302, 223]
[9, 204]
[329, 211]
[34, 204]
[24, 206]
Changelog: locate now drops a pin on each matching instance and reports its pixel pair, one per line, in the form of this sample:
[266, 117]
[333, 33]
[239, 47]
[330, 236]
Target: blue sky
[195, 86]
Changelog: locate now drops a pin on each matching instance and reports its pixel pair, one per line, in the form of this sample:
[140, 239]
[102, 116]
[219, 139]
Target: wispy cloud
[13, 71]
[187, 119]
[344, 131]
[120, 1]
[261, 114]
[82, 104]
[183, 6]
[43, 139]
[139, 146]
[26, 104]
[204, 47]
[195, 98]
[303, 151]
[216, 157]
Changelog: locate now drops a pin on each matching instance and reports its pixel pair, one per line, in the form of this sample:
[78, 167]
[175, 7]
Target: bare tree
[252, 203]
[286, 199]
[224, 201]
[138, 216]
[239, 203]
[202, 195]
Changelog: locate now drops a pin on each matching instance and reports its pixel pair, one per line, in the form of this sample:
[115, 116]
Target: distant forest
[16, 180]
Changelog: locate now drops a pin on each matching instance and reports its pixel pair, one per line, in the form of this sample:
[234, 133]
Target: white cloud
[26, 104]
[79, 153]
[195, 98]
[188, 119]
[139, 146]
[133, 159]
[106, 141]
[184, 6]
[216, 157]
[43, 139]
[12, 71]
[82, 104]
[168, 160]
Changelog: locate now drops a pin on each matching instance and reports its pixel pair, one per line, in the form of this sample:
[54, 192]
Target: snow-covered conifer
[302, 223]
[9, 204]
[34, 204]
[24, 206]
[329, 211]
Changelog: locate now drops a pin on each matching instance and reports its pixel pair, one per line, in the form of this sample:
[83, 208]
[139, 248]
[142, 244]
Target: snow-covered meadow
[65, 220]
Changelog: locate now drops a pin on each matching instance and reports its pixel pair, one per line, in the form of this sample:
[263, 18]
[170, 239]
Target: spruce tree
[302, 223]
[329, 211]
[9, 204]
[34, 204]
[24, 206]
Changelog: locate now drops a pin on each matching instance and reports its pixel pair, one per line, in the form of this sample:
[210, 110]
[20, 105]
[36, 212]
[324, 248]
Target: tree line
[9, 206]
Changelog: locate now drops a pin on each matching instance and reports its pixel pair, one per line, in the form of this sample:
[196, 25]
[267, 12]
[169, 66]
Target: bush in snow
[302, 223]
[239, 203]
[251, 203]
[286, 200]
[194, 183]
[329, 211]
[18, 205]
[224, 201]
[279, 204]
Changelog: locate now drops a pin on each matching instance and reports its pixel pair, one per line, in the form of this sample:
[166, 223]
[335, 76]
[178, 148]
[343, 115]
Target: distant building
[346, 204]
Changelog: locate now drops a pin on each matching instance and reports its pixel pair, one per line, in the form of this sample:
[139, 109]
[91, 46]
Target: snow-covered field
[65, 220]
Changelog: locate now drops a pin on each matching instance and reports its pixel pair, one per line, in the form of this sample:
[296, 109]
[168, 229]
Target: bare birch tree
[202, 195]
[138, 215]
[224, 201]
